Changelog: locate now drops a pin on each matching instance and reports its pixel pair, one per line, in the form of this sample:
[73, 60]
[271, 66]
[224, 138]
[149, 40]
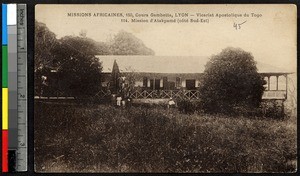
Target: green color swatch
[4, 66]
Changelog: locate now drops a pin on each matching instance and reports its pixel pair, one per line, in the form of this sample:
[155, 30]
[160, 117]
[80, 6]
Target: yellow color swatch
[4, 108]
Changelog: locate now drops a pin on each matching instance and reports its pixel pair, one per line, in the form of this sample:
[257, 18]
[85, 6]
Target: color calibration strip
[4, 91]
[12, 144]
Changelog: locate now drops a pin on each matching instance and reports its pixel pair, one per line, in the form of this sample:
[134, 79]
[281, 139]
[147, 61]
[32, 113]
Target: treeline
[68, 66]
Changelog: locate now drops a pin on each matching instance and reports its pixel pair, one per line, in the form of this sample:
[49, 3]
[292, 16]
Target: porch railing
[160, 94]
[274, 94]
[193, 94]
[188, 94]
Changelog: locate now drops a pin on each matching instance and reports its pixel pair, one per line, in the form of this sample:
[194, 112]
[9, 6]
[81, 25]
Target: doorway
[190, 84]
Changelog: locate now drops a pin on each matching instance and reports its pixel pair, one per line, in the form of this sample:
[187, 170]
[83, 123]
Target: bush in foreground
[231, 79]
[188, 106]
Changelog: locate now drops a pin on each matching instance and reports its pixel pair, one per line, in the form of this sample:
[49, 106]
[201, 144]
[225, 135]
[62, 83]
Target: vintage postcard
[165, 88]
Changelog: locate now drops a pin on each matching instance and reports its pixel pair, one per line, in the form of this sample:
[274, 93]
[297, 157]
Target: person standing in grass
[171, 103]
[119, 99]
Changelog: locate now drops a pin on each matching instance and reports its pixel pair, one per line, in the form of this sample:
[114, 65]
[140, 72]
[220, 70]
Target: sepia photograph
[165, 88]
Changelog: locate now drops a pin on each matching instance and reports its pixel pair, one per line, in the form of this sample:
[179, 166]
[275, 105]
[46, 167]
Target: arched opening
[273, 82]
[281, 83]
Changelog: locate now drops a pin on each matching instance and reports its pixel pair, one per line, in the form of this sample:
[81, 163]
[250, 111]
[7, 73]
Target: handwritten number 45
[238, 26]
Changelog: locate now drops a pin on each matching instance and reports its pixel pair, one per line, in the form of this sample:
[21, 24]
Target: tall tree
[84, 44]
[125, 43]
[231, 79]
[45, 43]
[78, 69]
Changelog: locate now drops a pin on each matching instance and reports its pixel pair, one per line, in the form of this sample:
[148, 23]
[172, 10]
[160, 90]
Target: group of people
[123, 101]
[127, 101]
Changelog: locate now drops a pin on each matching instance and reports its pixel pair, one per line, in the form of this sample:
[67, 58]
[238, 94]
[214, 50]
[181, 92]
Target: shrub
[189, 107]
[230, 79]
[273, 109]
[247, 111]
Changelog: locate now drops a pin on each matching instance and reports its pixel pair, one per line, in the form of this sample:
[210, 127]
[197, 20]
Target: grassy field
[90, 138]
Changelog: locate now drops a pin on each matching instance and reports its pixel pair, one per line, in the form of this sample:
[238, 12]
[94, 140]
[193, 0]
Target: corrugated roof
[168, 64]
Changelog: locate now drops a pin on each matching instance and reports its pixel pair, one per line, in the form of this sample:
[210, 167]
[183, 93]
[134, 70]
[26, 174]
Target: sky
[270, 35]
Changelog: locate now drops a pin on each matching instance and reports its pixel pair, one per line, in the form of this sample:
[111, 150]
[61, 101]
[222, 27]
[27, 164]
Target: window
[157, 84]
[190, 84]
[165, 83]
[145, 81]
[171, 85]
[178, 81]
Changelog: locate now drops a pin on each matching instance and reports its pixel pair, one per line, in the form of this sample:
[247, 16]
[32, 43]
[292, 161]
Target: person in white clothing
[171, 103]
[119, 99]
